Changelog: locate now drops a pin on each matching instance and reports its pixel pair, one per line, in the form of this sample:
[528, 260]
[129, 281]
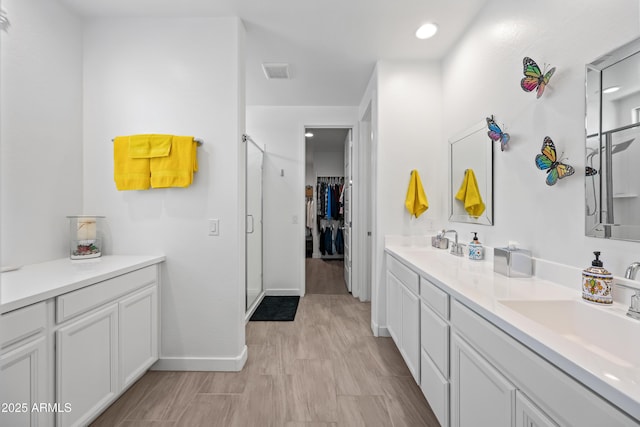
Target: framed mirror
[612, 175]
[471, 155]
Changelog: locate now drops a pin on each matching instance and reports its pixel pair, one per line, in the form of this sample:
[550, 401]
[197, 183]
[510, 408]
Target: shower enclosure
[254, 288]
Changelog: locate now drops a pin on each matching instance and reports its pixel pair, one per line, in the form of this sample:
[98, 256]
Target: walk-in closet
[327, 205]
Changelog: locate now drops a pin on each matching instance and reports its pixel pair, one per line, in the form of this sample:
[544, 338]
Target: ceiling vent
[276, 70]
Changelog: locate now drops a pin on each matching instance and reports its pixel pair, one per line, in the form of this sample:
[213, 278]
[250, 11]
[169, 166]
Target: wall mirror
[471, 150]
[612, 175]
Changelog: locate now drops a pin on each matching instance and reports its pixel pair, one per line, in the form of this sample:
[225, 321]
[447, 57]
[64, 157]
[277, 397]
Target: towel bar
[197, 140]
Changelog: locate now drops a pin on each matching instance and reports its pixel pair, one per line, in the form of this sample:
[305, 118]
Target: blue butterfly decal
[548, 161]
[496, 134]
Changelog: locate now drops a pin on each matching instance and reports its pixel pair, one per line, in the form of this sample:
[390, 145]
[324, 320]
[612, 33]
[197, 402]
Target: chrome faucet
[632, 270]
[634, 307]
[456, 249]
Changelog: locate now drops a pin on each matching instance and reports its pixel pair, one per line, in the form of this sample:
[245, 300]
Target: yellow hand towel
[149, 146]
[416, 201]
[176, 169]
[128, 173]
[470, 195]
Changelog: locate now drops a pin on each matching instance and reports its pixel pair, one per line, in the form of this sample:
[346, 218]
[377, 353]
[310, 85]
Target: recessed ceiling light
[611, 89]
[308, 134]
[426, 31]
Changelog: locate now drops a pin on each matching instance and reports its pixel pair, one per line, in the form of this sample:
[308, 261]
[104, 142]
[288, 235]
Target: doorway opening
[328, 186]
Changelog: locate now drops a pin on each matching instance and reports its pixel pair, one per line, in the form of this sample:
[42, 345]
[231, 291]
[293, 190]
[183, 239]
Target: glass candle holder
[85, 236]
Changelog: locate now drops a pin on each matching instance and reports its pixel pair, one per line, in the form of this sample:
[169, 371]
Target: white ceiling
[331, 45]
[326, 139]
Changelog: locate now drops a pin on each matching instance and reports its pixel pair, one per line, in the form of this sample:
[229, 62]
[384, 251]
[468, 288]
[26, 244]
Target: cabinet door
[394, 308]
[138, 334]
[86, 365]
[411, 332]
[25, 369]
[480, 395]
[434, 338]
[529, 415]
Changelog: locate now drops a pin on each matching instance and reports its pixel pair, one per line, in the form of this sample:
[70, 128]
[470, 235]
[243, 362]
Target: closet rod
[197, 140]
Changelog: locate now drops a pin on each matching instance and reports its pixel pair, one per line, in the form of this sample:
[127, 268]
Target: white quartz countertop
[38, 282]
[475, 284]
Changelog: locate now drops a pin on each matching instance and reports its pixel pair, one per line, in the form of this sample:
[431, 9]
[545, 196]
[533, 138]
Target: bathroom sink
[604, 333]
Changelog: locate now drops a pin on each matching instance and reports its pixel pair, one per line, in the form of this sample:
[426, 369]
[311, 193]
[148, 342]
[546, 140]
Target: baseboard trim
[379, 331]
[282, 292]
[222, 364]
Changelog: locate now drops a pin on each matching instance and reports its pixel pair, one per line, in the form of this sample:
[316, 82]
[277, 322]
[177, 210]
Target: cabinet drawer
[435, 388]
[85, 299]
[408, 278]
[434, 338]
[22, 323]
[435, 297]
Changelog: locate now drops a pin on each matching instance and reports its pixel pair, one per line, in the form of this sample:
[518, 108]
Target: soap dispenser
[476, 251]
[596, 283]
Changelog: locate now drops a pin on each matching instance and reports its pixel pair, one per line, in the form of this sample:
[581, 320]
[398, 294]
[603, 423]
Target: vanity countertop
[475, 284]
[38, 282]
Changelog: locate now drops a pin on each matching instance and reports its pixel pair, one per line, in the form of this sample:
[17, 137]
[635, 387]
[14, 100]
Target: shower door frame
[250, 308]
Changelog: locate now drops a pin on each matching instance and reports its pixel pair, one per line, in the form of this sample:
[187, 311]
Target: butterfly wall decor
[548, 161]
[589, 171]
[496, 134]
[533, 77]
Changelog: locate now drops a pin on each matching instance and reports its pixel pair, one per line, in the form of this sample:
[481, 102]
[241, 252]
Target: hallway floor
[323, 369]
[325, 276]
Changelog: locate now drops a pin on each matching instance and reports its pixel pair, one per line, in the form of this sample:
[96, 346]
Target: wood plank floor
[323, 369]
[325, 276]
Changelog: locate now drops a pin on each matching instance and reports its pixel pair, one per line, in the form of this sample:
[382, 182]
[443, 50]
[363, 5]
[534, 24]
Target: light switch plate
[214, 227]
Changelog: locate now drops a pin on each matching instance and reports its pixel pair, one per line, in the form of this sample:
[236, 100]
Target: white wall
[185, 77]
[41, 130]
[409, 136]
[481, 76]
[281, 130]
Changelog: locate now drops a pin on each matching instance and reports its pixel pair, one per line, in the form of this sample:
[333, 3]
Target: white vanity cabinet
[25, 373]
[529, 415]
[86, 365]
[403, 311]
[434, 349]
[497, 379]
[480, 395]
[108, 337]
[138, 334]
[471, 371]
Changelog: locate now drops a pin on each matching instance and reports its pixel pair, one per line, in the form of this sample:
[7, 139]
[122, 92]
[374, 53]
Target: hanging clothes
[339, 241]
[311, 214]
[322, 241]
[328, 240]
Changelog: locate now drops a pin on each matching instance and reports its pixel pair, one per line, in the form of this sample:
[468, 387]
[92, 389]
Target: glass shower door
[254, 224]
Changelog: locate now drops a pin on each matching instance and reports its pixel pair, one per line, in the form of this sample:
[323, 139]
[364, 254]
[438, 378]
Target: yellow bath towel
[128, 173]
[176, 169]
[149, 145]
[470, 195]
[416, 201]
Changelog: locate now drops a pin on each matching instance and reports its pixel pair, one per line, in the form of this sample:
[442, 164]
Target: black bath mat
[276, 309]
